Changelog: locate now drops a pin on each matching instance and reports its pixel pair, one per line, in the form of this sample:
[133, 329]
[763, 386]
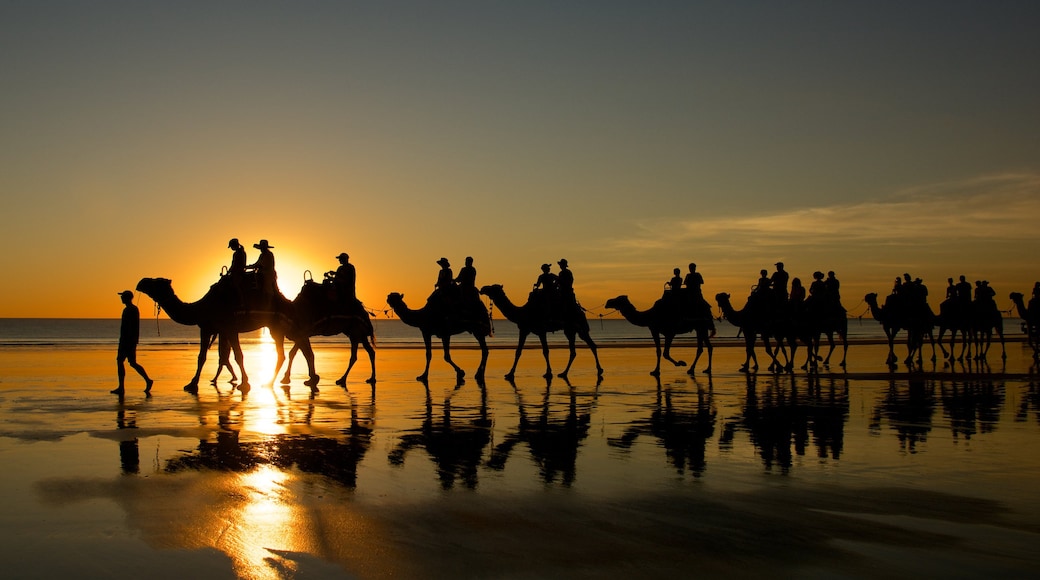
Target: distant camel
[896, 315]
[217, 312]
[532, 318]
[1030, 316]
[435, 320]
[666, 319]
[320, 314]
[820, 320]
[755, 321]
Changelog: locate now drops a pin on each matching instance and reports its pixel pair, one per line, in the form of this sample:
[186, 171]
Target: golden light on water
[263, 525]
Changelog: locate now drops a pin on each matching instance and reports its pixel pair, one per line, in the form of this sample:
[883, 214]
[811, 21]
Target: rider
[264, 267]
[345, 280]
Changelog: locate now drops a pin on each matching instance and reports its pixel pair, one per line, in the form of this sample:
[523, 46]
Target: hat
[443, 262]
[262, 245]
[343, 256]
[546, 266]
[126, 293]
[562, 262]
[233, 243]
[779, 264]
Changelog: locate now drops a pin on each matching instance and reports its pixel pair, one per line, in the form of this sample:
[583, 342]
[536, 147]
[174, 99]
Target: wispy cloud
[994, 208]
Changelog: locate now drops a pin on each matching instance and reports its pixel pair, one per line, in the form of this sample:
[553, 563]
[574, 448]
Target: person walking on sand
[129, 333]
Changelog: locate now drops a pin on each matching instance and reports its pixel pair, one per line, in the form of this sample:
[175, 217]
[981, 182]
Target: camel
[987, 319]
[820, 321]
[438, 319]
[895, 316]
[755, 321]
[217, 313]
[1030, 316]
[665, 319]
[533, 318]
[319, 314]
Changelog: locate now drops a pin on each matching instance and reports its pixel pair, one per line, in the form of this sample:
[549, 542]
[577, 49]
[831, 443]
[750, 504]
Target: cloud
[993, 208]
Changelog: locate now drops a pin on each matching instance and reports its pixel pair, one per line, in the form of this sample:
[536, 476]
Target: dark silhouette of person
[675, 284]
[344, 280]
[763, 282]
[467, 275]
[797, 292]
[445, 277]
[963, 290]
[547, 281]
[778, 281]
[693, 282]
[237, 271]
[129, 334]
[264, 267]
[951, 290]
[565, 281]
[818, 288]
[833, 288]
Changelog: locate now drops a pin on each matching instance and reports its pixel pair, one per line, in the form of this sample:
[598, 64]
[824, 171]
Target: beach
[863, 473]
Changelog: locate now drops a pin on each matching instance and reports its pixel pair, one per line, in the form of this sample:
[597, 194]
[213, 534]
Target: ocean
[389, 332]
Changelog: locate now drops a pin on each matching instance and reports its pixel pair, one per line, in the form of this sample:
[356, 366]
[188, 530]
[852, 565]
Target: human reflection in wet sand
[682, 429]
[456, 443]
[908, 411]
[129, 452]
[972, 407]
[552, 440]
[780, 420]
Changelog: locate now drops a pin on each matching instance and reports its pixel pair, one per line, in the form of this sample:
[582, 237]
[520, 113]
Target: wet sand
[863, 474]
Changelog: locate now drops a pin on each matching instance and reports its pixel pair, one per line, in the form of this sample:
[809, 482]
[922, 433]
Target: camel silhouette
[817, 319]
[763, 320]
[533, 318]
[218, 313]
[319, 313]
[439, 319]
[665, 318]
[898, 315]
[1030, 316]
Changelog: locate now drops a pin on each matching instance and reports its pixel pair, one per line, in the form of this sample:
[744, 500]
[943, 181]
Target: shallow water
[786, 475]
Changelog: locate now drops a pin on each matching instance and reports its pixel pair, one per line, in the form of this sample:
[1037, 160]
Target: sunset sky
[869, 138]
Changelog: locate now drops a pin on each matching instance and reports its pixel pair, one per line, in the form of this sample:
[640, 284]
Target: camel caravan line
[784, 319]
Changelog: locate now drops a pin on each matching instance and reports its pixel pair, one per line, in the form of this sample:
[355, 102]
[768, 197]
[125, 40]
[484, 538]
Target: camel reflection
[972, 407]
[682, 427]
[783, 420]
[456, 442]
[553, 438]
[908, 412]
[1030, 403]
[336, 458]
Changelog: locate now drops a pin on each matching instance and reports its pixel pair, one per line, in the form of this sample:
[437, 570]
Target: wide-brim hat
[262, 245]
[343, 256]
[443, 262]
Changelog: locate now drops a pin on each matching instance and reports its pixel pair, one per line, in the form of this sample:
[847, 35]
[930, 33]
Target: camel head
[155, 287]
[618, 303]
[721, 297]
[492, 290]
[870, 298]
[395, 298]
[1017, 297]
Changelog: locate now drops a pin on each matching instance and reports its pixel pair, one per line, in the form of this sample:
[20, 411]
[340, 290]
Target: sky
[631, 138]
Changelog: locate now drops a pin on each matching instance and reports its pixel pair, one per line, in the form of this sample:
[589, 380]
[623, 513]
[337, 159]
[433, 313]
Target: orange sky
[870, 140]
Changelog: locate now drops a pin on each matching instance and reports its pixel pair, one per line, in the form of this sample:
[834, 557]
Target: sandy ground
[925, 474]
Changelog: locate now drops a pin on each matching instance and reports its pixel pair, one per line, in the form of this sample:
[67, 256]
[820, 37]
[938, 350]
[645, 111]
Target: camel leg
[288, 363]
[446, 345]
[371, 359]
[545, 354]
[308, 355]
[657, 347]
[427, 339]
[573, 353]
[240, 359]
[205, 339]
[516, 356]
[479, 376]
[595, 352]
[668, 338]
[342, 381]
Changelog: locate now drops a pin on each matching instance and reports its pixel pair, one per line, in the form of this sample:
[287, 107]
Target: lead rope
[158, 310]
